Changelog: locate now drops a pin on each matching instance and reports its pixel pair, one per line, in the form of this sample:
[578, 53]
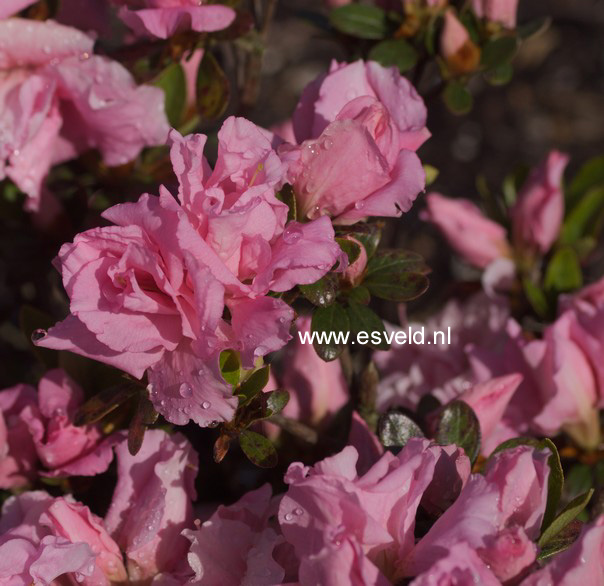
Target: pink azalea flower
[502, 11]
[63, 448]
[348, 525]
[59, 101]
[10, 7]
[538, 213]
[497, 515]
[370, 117]
[152, 503]
[18, 458]
[461, 565]
[43, 538]
[165, 273]
[457, 48]
[249, 558]
[474, 237]
[164, 18]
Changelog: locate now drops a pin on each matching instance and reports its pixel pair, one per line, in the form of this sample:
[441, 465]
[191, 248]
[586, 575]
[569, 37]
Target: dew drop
[292, 233]
[38, 335]
[298, 511]
[359, 205]
[288, 517]
[206, 405]
[185, 390]
[327, 143]
[213, 423]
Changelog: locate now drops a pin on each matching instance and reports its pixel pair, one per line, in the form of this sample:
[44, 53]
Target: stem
[297, 429]
[251, 86]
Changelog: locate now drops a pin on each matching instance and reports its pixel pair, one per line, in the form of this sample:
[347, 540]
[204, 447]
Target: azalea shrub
[212, 373]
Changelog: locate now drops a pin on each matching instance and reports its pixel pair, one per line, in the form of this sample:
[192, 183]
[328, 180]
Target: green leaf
[395, 429]
[276, 402]
[259, 450]
[536, 297]
[396, 52]
[396, 275]
[322, 293]
[431, 174]
[561, 541]
[213, 90]
[584, 215]
[360, 295]
[230, 366]
[457, 98]
[568, 514]
[563, 271]
[457, 424]
[352, 249]
[288, 197]
[533, 27]
[254, 383]
[555, 482]
[363, 319]
[498, 52]
[369, 235]
[172, 80]
[104, 402]
[500, 75]
[360, 20]
[590, 175]
[328, 322]
[144, 416]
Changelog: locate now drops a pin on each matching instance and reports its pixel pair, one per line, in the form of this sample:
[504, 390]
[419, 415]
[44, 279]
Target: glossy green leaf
[254, 383]
[276, 402]
[369, 235]
[360, 295]
[230, 366]
[352, 249]
[536, 298]
[568, 514]
[395, 429]
[563, 272]
[322, 293]
[457, 424]
[582, 218]
[329, 322]
[555, 481]
[259, 450]
[500, 75]
[213, 90]
[288, 197]
[363, 319]
[360, 20]
[533, 27]
[499, 51]
[457, 98]
[590, 175]
[104, 402]
[396, 275]
[397, 52]
[144, 416]
[561, 542]
[172, 80]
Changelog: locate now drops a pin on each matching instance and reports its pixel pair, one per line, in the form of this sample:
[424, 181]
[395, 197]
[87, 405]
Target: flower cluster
[336, 522]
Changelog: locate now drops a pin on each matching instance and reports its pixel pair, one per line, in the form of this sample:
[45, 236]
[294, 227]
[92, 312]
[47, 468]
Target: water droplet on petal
[185, 390]
[288, 517]
[38, 335]
[206, 405]
[359, 205]
[292, 233]
[298, 511]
